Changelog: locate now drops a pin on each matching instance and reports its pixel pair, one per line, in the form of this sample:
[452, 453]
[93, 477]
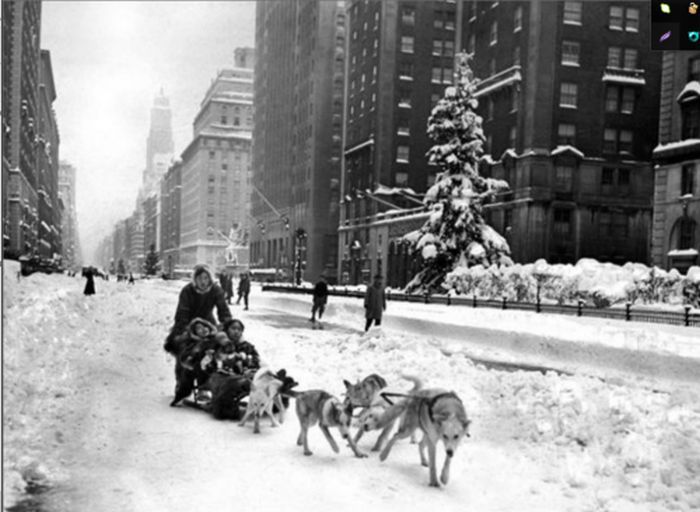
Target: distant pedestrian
[227, 284]
[320, 299]
[243, 289]
[375, 302]
[90, 284]
[131, 278]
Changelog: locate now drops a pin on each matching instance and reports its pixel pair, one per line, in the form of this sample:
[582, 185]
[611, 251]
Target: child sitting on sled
[234, 354]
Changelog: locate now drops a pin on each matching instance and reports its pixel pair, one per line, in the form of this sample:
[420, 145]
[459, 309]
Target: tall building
[215, 171]
[675, 241]
[159, 145]
[299, 69]
[569, 97]
[400, 58]
[170, 196]
[70, 240]
[21, 29]
[50, 209]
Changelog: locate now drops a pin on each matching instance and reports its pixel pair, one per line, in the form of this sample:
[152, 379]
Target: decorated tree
[456, 235]
[150, 264]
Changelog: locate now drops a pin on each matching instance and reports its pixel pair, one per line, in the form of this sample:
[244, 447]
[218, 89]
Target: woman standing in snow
[90, 284]
[375, 302]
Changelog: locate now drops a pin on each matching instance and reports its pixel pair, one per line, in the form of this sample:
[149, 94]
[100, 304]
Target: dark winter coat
[195, 304]
[320, 292]
[244, 284]
[375, 302]
[90, 284]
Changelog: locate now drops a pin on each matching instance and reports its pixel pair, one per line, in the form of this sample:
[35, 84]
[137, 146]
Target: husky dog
[371, 417]
[318, 406]
[440, 415]
[264, 395]
[363, 392]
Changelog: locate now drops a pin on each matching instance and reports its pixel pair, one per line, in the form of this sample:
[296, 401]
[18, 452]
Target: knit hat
[201, 269]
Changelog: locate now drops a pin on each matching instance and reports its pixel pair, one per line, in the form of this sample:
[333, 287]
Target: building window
[404, 97]
[437, 47]
[437, 75]
[513, 137]
[686, 235]
[224, 167]
[632, 19]
[236, 121]
[562, 222]
[605, 224]
[408, 16]
[518, 19]
[223, 119]
[620, 226]
[405, 70]
[566, 134]
[614, 53]
[402, 154]
[569, 95]
[630, 61]
[407, 44]
[611, 94]
[623, 177]
[564, 178]
[401, 179]
[493, 38]
[627, 100]
[615, 19]
[448, 48]
[403, 130]
[609, 140]
[687, 177]
[212, 155]
[625, 141]
[570, 53]
[690, 114]
[572, 13]
[694, 69]
[434, 98]
[516, 56]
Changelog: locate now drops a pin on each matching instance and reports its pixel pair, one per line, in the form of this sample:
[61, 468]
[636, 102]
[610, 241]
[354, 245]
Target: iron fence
[628, 312]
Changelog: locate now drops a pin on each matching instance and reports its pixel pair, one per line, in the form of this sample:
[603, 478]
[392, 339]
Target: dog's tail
[417, 382]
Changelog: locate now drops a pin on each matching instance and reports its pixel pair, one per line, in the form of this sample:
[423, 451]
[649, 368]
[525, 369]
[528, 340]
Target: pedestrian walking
[228, 286]
[131, 278]
[90, 284]
[244, 289]
[375, 302]
[320, 298]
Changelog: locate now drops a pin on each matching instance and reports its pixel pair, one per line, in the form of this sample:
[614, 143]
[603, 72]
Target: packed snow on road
[87, 426]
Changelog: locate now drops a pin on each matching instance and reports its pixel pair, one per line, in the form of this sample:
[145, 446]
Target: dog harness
[433, 401]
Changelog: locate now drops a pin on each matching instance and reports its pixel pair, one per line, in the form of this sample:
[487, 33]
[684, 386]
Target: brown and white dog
[318, 406]
[441, 416]
[371, 417]
[363, 392]
[264, 396]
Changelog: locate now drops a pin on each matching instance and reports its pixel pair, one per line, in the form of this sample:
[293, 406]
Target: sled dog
[371, 417]
[440, 415]
[264, 395]
[318, 406]
[363, 392]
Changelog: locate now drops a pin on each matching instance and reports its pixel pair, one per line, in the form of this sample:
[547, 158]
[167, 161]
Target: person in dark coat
[243, 289]
[375, 302]
[235, 354]
[90, 284]
[320, 299]
[226, 280]
[198, 298]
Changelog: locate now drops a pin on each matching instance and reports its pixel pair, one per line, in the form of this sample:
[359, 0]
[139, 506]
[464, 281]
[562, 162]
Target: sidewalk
[594, 346]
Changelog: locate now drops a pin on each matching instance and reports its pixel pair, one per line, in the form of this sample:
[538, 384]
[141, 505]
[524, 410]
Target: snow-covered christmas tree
[456, 234]
[151, 264]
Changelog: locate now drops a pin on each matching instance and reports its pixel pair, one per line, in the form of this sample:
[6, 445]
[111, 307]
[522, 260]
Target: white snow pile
[538, 441]
[597, 284]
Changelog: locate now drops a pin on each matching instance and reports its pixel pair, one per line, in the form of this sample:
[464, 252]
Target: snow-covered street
[86, 388]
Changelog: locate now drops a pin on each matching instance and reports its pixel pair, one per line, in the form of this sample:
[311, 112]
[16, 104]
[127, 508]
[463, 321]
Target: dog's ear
[347, 384]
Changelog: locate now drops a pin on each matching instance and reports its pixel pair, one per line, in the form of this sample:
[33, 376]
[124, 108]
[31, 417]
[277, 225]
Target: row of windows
[610, 224]
[614, 140]
[619, 18]
[617, 98]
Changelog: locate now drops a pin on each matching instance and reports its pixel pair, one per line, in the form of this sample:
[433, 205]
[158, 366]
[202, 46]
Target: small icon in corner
[694, 36]
[693, 8]
[665, 36]
[665, 8]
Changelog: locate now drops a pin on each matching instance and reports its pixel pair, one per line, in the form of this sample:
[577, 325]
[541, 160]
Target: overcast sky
[110, 60]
